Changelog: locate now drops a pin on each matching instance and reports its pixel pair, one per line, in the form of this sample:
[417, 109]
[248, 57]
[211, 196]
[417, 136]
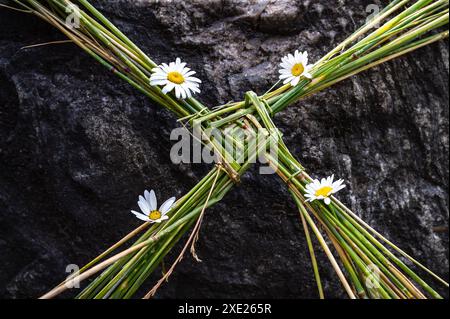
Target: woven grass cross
[367, 264]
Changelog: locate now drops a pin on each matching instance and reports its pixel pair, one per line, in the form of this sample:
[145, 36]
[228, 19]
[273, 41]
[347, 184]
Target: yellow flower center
[155, 215]
[297, 69]
[175, 77]
[324, 191]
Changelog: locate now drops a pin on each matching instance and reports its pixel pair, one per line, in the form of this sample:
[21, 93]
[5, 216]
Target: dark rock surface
[78, 145]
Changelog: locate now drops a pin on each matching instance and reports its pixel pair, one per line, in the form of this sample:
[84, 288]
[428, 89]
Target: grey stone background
[78, 145]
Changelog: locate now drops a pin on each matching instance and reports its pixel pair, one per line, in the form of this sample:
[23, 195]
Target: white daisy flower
[175, 76]
[293, 67]
[147, 204]
[323, 189]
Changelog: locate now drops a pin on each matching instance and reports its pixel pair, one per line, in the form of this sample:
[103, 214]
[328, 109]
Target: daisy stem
[386, 12]
[113, 259]
[368, 252]
[113, 285]
[324, 246]
[190, 240]
[149, 260]
[313, 257]
[282, 172]
[362, 226]
[108, 274]
[399, 277]
[397, 261]
[109, 250]
[351, 237]
[154, 262]
[117, 32]
[319, 86]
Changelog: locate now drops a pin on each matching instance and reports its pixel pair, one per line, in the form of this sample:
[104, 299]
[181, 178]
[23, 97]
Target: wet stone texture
[78, 145]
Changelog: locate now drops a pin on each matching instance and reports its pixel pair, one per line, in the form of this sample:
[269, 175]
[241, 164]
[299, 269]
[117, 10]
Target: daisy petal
[289, 79]
[158, 82]
[140, 216]
[167, 205]
[152, 200]
[177, 92]
[295, 81]
[183, 92]
[169, 87]
[143, 205]
[187, 74]
[194, 79]
[165, 67]
[147, 195]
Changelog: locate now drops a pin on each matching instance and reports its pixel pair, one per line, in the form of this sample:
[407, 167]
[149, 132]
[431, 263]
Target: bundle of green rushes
[405, 26]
